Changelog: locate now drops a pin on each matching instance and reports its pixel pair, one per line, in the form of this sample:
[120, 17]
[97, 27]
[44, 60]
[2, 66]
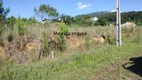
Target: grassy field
[100, 62]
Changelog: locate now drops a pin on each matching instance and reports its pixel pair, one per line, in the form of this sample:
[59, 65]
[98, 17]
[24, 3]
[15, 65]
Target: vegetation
[74, 66]
[46, 48]
[3, 14]
[63, 31]
[46, 10]
[66, 19]
[132, 16]
[24, 41]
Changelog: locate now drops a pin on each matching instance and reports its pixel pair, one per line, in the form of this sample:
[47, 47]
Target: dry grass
[79, 59]
[31, 43]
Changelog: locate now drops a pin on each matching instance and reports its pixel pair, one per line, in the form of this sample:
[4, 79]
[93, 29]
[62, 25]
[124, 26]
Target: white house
[94, 18]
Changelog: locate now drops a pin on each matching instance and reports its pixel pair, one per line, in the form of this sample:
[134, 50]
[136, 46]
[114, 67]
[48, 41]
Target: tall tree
[3, 12]
[66, 19]
[46, 10]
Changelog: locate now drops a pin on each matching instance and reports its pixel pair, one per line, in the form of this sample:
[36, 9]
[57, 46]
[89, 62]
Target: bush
[45, 43]
[87, 42]
[101, 22]
[63, 31]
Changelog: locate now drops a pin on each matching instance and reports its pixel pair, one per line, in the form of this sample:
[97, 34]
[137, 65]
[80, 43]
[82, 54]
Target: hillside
[94, 14]
[97, 63]
[61, 47]
[131, 16]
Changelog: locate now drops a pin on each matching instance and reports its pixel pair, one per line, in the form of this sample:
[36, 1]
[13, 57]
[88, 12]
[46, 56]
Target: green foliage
[3, 13]
[66, 19]
[79, 66]
[45, 43]
[63, 28]
[85, 63]
[87, 42]
[101, 22]
[137, 39]
[132, 16]
[22, 23]
[32, 20]
[52, 12]
[46, 10]
[21, 27]
[94, 14]
[84, 20]
[63, 31]
[11, 21]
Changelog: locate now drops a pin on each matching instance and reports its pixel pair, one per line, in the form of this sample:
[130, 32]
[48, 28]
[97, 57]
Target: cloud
[81, 5]
[113, 11]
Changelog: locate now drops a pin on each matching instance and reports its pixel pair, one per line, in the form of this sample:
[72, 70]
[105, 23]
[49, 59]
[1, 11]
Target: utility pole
[118, 24]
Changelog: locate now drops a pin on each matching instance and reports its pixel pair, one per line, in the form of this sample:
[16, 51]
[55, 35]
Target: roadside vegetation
[30, 50]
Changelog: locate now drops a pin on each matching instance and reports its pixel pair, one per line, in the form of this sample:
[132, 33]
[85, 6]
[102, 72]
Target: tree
[63, 31]
[52, 12]
[86, 16]
[63, 18]
[20, 23]
[101, 22]
[3, 12]
[83, 20]
[66, 19]
[32, 20]
[46, 10]
[10, 21]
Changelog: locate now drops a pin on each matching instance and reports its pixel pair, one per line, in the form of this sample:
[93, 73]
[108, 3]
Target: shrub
[63, 31]
[21, 26]
[45, 43]
[87, 44]
[101, 22]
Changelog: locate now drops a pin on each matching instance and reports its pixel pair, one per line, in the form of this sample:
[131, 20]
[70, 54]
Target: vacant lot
[98, 62]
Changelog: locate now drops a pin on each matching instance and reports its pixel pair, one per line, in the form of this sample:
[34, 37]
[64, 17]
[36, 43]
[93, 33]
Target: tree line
[49, 12]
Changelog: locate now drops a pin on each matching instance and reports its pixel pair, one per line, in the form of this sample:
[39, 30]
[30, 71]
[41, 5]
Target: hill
[132, 16]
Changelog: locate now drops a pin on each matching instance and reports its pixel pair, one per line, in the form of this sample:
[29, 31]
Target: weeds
[45, 43]
[63, 31]
[67, 67]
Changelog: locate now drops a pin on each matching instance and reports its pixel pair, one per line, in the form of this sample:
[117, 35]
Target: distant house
[94, 19]
[128, 24]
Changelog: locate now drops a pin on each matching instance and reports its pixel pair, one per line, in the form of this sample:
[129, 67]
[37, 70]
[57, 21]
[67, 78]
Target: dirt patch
[72, 42]
[99, 39]
[30, 46]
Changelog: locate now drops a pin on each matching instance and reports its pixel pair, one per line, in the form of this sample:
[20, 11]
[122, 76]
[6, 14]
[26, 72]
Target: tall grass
[79, 65]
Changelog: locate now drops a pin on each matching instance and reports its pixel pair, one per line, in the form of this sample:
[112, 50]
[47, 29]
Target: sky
[25, 8]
